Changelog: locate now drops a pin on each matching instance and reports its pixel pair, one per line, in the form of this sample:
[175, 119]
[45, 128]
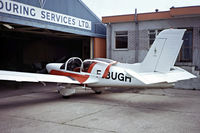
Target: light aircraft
[157, 69]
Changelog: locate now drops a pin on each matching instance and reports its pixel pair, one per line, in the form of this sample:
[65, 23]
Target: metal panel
[74, 8]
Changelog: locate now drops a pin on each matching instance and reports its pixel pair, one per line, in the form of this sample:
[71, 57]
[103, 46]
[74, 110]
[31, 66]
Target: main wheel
[65, 97]
[97, 90]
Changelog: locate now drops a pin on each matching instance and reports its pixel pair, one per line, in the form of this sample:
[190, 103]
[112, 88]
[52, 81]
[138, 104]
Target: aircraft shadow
[91, 98]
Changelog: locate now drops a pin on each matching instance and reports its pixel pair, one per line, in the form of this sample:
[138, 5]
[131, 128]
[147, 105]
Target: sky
[120, 7]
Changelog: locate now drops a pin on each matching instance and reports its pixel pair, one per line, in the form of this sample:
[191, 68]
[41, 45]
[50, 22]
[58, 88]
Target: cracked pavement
[34, 108]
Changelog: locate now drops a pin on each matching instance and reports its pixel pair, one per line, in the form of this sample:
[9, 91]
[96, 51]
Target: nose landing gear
[66, 91]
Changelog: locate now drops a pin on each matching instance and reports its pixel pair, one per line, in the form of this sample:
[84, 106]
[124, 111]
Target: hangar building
[130, 36]
[35, 32]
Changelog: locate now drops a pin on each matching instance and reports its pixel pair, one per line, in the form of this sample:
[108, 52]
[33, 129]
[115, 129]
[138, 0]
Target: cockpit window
[63, 66]
[87, 65]
[72, 64]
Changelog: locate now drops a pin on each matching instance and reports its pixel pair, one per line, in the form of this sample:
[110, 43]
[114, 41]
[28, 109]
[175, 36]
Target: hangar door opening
[30, 49]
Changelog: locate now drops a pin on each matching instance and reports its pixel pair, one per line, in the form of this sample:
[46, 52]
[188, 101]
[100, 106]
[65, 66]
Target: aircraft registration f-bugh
[157, 69]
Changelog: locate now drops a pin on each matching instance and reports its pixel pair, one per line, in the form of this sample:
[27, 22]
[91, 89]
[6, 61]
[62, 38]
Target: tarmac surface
[32, 108]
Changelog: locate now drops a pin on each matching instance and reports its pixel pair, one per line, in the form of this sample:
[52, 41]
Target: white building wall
[128, 55]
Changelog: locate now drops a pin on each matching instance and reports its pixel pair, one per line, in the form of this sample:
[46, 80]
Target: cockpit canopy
[89, 64]
[104, 60]
[76, 64]
[72, 64]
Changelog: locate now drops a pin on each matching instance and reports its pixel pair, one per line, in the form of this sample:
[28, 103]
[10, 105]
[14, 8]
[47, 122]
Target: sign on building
[27, 11]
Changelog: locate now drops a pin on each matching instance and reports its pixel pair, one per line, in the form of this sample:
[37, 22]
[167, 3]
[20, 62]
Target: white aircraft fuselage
[103, 74]
[156, 70]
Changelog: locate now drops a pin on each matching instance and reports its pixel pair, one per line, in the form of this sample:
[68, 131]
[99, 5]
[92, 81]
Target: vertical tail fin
[164, 51]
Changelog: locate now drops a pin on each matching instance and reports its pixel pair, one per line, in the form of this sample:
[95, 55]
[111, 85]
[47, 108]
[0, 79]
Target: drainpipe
[109, 41]
[91, 47]
[136, 36]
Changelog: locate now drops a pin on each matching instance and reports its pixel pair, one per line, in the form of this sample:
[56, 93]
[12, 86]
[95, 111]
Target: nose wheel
[97, 90]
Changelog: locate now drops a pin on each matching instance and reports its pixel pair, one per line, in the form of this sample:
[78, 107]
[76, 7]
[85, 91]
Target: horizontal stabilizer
[146, 78]
[156, 77]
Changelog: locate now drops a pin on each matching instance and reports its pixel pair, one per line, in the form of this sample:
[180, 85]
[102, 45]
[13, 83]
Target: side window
[185, 54]
[121, 40]
[152, 36]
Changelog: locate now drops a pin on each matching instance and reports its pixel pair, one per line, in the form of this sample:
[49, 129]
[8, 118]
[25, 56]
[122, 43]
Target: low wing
[35, 77]
[156, 77]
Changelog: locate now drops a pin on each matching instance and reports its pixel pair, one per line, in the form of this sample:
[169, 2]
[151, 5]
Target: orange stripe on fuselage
[80, 78]
[91, 67]
[107, 69]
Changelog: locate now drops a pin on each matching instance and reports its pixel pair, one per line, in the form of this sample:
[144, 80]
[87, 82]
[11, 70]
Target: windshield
[72, 64]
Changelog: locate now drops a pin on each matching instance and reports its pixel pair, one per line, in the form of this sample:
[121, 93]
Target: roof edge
[173, 12]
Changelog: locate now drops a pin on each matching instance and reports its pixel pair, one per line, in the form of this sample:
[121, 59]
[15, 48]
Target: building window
[152, 36]
[185, 54]
[121, 40]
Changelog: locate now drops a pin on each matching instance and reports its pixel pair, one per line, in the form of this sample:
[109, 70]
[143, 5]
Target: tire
[65, 97]
[98, 92]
